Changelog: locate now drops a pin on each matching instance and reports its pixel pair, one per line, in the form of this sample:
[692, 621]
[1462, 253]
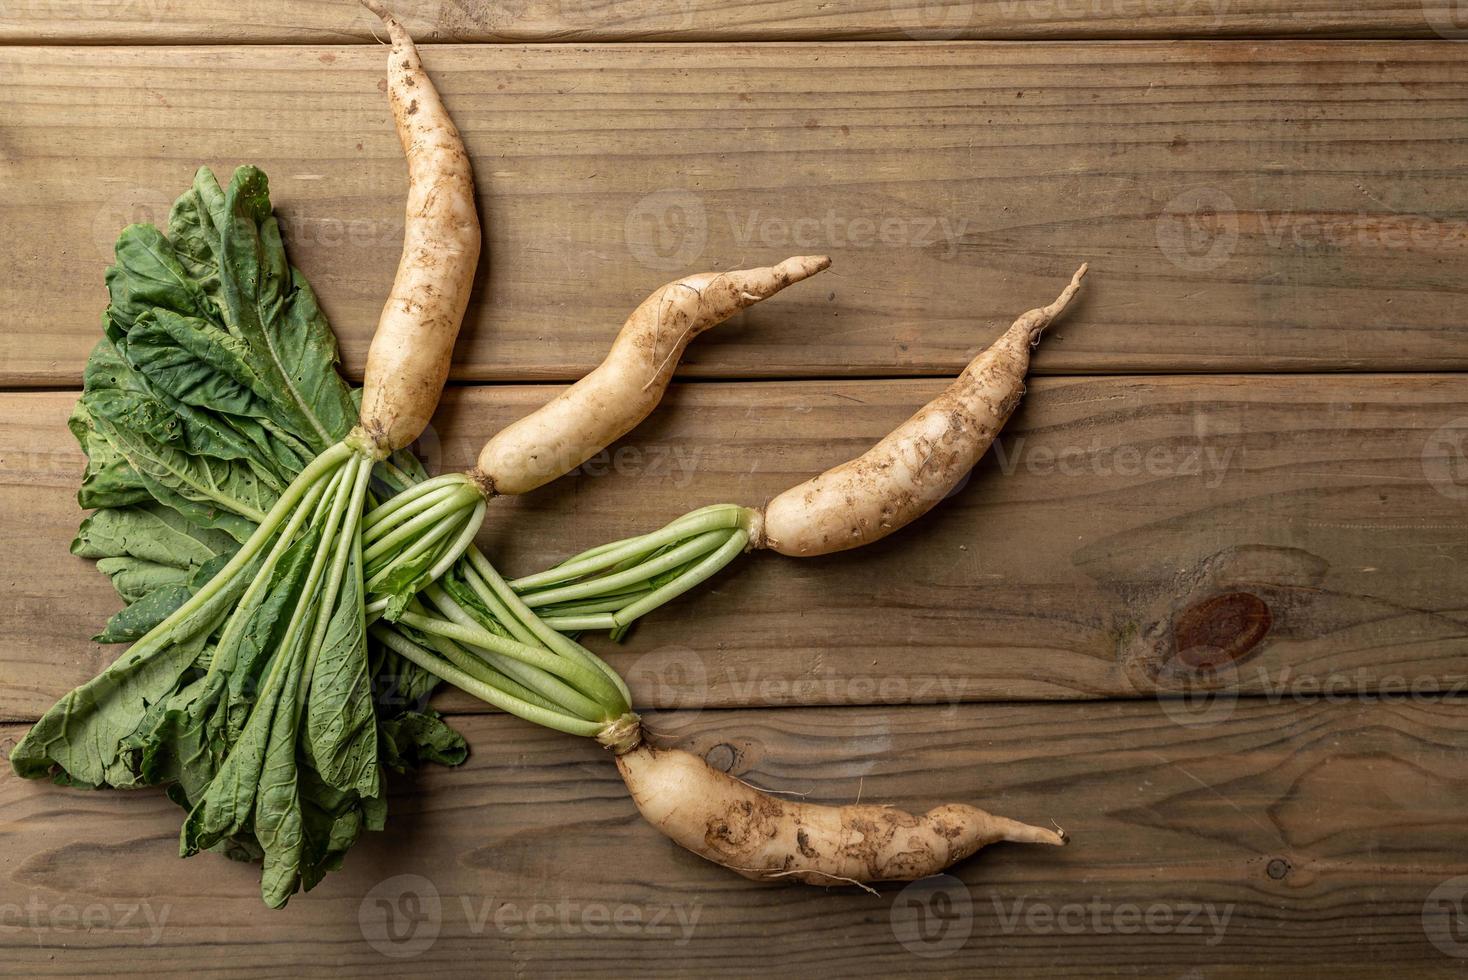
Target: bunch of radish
[404, 567]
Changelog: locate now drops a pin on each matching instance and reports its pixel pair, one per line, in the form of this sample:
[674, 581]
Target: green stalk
[394, 506]
[720, 517]
[695, 575]
[456, 549]
[446, 671]
[263, 575]
[452, 503]
[689, 550]
[433, 540]
[338, 492]
[541, 682]
[608, 604]
[581, 624]
[349, 546]
[203, 602]
[474, 666]
[604, 548]
[386, 523]
[558, 642]
[589, 681]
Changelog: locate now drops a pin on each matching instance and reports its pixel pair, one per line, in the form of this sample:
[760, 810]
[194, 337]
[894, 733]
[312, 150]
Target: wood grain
[1115, 545]
[1245, 207]
[1308, 837]
[579, 21]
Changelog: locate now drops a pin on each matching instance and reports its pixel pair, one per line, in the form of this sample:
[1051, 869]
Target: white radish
[918, 463]
[761, 836]
[620, 392]
[408, 361]
[895, 482]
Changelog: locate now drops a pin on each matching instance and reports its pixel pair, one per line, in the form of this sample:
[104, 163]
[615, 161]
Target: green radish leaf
[181, 741]
[209, 492]
[404, 582]
[109, 480]
[79, 740]
[228, 804]
[417, 737]
[215, 384]
[215, 414]
[150, 533]
[191, 229]
[340, 734]
[134, 578]
[270, 307]
[137, 620]
[147, 276]
[278, 820]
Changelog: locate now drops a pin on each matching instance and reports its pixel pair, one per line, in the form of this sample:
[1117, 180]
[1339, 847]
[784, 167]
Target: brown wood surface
[1110, 542]
[1205, 609]
[1294, 206]
[1291, 837]
[575, 21]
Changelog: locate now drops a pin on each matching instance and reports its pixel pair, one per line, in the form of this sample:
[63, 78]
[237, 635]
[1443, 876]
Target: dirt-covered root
[918, 463]
[767, 838]
[409, 358]
[621, 391]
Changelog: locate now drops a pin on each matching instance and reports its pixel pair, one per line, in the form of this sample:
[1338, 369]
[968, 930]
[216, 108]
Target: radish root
[918, 463]
[620, 392]
[408, 361]
[760, 836]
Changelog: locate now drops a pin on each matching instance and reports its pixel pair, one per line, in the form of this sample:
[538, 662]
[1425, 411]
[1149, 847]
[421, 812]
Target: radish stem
[446, 671]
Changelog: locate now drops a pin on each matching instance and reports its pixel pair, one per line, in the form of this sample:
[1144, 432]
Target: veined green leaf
[416, 737]
[109, 480]
[222, 494]
[148, 275]
[150, 533]
[203, 371]
[271, 308]
[79, 740]
[134, 578]
[340, 732]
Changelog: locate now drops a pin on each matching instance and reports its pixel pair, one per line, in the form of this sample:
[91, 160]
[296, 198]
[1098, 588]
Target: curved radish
[708, 812]
[856, 503]
[918, 463]
[441, 516]
[763, 837]
[620, 392]
[408, 361]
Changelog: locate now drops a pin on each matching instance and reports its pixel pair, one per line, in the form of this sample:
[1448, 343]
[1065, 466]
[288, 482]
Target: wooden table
[1246, 446]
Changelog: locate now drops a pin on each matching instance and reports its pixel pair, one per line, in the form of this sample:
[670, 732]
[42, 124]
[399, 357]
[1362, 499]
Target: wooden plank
[1086, 560]
[580, 21]
[1306, 836]
[1246, 207]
